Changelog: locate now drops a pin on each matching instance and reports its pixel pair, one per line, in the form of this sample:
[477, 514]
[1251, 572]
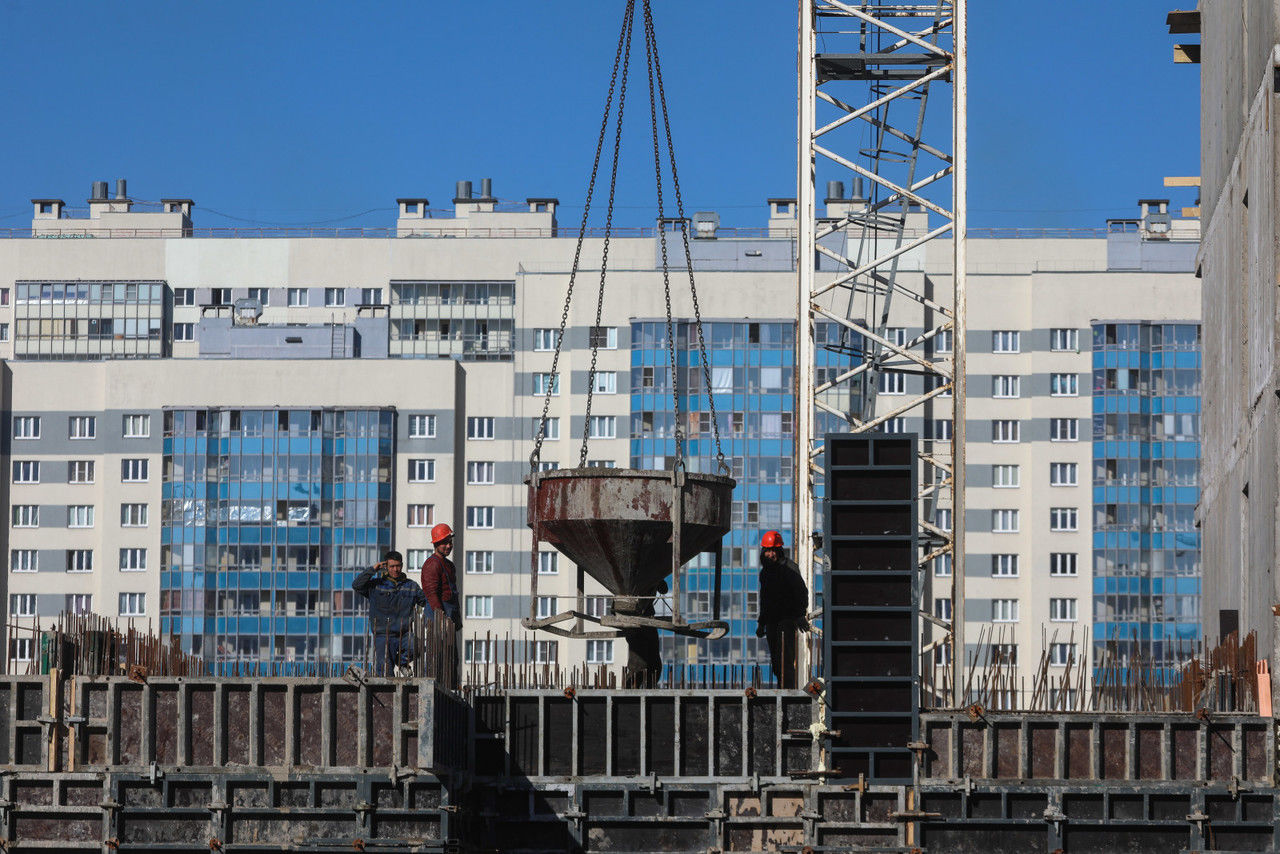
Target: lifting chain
[657, 96]
[552, 381]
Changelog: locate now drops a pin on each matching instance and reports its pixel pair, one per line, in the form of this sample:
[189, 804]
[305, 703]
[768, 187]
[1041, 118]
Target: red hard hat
[771, 540]
[440, 533]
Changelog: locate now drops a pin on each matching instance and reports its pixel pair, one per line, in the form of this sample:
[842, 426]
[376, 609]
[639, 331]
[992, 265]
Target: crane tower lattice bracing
[880, 340]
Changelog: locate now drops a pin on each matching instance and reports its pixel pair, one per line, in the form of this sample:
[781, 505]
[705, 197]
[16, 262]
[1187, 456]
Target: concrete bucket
[616, 523]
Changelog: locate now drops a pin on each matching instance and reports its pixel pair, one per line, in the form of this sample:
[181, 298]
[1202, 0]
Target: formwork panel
[694, 746]
[238, 723]
[660, 724]
[1186, 752]
[593, 736]
[1007, 747]
[1043, 750]
[202, 730]
[976, 838]
[648, 836]
[1108, 839]
[1114, 745]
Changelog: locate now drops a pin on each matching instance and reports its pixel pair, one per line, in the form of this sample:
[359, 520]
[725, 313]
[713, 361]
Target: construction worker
[440, 584]
[784, 605]
[392, 597]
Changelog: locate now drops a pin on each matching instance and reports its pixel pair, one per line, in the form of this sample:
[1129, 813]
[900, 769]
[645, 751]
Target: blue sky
[324, 112]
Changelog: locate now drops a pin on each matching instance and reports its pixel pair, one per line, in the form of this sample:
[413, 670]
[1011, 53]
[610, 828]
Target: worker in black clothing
[784, 606]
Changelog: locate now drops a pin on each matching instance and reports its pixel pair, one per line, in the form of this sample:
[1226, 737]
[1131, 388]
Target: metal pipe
[959, 205]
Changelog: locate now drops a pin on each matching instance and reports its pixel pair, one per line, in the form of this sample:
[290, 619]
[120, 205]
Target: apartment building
[214, 429]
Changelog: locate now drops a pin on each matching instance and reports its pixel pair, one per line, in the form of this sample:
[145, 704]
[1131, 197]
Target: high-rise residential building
[216, 434]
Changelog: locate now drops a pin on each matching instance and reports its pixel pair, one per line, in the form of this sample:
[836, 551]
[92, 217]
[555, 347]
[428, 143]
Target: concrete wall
[1237, 263]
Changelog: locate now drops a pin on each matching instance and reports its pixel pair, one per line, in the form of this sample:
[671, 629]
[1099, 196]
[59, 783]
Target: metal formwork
[663, 733]
[211, 722]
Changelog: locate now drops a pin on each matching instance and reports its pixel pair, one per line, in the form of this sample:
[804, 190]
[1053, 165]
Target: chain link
[623, 40]
[652, 39]
[662, 238]
[608, 228]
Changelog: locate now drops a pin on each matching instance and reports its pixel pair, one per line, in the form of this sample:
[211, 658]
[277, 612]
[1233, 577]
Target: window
[80, 516]
[422, 471]
[1004, 341]
[26, 471]
[1062, 610]
[298, 297]
[1064, 340]
[133, 515]
[1062, 654]
[896, 335]
[480, 651]
[371, 296]
[335, 297]
[548, 563]
[480, 472]
[1004, 430]
[415, 558]
[422, 426]
[940, 429]
[419, 515]
[1004, 521]
[1064, 429]
[22, 605]
[1005, 477]
[548, 606]
[26, 427]
[23, 560]
[599, 652]
[82, 427]
[133, 560]
[184, 332]
[942, 342]
[604, 426]
[1004, 610]
[262, 295]
[895, 425]
[79, 560]
[26, 516]
[942, 566]
[79, 603]
[479, 517]
[942, 518]
[479, 427]
[1006, 385]
[942, 609]
[133, 470]
[80, 471]
[893, 382]
[552, 428]
[544, 652]
[4, 332]
[220, 296]
[479, 563]
[596, 606]
[1004, 566]
[22, 649]
[544, 340]
[184, 296]
[544, 381]
[1062, 563]
[133, 604]
[136, 426]
[603, 337]
[606, 382]
[1062, 518]
[1064, 385]
[1063, 474]
[478, 607]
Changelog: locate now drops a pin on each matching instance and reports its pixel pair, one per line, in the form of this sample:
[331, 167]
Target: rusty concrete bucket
[616, 524]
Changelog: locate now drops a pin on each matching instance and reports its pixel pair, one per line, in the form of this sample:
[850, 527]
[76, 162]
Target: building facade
[311, 399]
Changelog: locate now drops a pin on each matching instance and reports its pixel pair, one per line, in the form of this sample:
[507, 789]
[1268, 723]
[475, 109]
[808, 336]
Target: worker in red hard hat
[440, 577]
[784, 606]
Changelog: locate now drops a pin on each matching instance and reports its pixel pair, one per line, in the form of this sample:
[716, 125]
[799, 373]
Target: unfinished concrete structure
[1241, 474]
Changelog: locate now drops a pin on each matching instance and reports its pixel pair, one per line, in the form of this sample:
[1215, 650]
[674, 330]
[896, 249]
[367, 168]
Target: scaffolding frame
[861, 65]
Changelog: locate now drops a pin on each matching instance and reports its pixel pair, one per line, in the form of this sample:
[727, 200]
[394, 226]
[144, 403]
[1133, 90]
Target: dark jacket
[440, 584]
[783, 594]
[391, 602]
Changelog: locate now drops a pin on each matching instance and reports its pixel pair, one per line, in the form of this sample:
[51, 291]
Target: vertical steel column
[806, 258]
[960, 347]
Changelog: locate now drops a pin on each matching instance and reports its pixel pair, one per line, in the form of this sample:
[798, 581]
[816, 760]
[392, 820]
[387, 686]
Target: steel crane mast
[867, 72]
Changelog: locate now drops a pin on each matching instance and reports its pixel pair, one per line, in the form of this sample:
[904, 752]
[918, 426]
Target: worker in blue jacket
[392, 597]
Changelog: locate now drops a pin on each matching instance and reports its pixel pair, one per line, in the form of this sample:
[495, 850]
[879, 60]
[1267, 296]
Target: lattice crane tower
[871, 76]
